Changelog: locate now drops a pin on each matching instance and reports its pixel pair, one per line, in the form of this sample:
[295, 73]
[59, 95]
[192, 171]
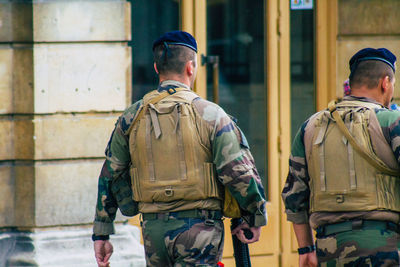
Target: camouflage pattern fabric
[296, 193]
[183, 242]
[371, 247]
[234, 162]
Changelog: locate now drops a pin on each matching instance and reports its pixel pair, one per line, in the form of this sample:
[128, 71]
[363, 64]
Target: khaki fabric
[169, 161]
[340, 179]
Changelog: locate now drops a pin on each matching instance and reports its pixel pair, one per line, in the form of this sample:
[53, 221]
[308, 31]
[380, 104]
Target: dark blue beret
[381, 54]
[177, 38]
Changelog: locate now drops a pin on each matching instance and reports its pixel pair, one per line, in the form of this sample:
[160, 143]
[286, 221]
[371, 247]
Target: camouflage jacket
[296, 192]
[234, 162]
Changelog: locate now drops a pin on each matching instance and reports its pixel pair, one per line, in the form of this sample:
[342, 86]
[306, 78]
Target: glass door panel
[301, 66]
[149, 19]
[235, 33]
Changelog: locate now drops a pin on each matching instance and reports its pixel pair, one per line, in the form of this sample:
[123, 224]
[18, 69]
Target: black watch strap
[305, 250]
[100, 237]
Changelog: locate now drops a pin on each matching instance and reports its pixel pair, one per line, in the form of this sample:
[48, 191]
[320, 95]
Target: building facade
[69, 68]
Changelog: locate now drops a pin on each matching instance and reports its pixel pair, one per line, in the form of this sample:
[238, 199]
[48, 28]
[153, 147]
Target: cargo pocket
[137, 196]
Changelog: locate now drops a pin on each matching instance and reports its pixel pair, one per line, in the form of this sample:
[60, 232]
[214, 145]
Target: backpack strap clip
[171, 91]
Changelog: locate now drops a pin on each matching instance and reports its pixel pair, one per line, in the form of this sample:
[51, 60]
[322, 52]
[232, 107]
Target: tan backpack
[345, 172]
[169, 161]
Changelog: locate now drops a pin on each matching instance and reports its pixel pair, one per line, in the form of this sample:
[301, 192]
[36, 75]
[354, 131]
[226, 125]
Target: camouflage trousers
[364, 247]
[183, 242]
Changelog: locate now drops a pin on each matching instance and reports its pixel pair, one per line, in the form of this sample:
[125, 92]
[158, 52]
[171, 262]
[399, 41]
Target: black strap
[305, 250]
[195, 213]
[341, 227]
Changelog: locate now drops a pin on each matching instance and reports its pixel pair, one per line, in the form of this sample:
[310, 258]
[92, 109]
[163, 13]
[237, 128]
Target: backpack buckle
[339, 198]
[169, 192]
[171, 91]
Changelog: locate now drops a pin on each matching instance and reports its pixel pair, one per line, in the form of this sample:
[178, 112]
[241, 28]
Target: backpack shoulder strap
[153, 101]
[365, 154]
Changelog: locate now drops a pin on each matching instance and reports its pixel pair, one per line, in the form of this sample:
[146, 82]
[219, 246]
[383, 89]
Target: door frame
[266, 252]
[193, 18]
[326, 47]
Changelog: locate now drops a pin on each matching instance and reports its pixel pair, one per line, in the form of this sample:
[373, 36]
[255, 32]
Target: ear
[189, 68]
[385, 83]
[155, 68]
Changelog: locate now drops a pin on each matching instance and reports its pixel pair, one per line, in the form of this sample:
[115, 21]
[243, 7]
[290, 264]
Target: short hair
[368, 73]
[173, 58]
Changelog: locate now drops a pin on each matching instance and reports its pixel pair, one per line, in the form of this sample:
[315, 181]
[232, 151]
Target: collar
[165, 85]
[363, 99]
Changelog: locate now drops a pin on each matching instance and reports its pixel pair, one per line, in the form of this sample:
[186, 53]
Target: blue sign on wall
[301, 4]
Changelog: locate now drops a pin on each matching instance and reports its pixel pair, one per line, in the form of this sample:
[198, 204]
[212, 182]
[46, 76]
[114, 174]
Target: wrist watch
[305, 250]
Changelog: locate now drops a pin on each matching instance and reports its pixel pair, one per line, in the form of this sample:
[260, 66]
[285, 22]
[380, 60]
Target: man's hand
[308, 260]
[305, 238]
[239, 232]
[102, 251]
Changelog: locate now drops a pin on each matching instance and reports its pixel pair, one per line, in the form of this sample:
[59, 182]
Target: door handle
[214, 60]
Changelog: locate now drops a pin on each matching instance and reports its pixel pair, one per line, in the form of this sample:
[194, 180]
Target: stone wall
[366, 23]
[65, 76]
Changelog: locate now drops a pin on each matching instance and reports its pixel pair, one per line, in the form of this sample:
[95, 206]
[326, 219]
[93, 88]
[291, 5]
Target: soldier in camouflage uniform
[349, 196]
[181, 226]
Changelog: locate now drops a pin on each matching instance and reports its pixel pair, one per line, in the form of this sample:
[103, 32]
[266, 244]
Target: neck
[176, 77]
[174, 83]
[374, 94]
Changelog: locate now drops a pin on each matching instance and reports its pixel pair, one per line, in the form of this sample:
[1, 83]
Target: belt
[341, 227]
[195, 214]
